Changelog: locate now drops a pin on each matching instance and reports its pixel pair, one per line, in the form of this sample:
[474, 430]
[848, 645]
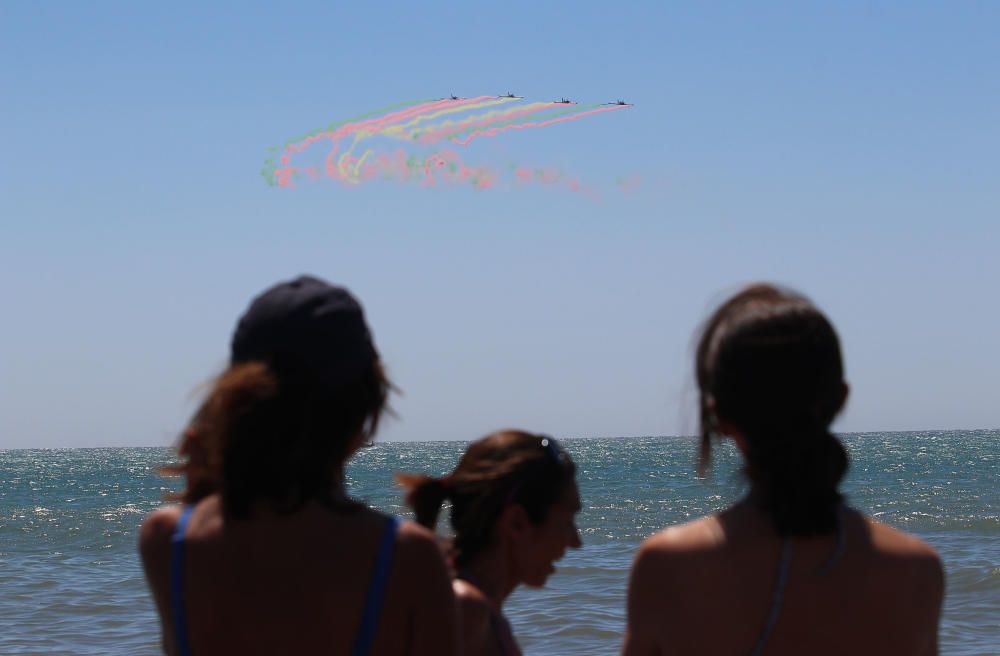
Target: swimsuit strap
[376, 591]
[838, 550]
[778, 598]
[177, 583]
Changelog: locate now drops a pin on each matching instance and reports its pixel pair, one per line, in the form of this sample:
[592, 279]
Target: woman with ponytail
[268, 555]
[790, 569]
[513, 501]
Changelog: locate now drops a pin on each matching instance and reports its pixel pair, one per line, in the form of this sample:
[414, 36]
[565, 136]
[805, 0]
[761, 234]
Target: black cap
[308, 329]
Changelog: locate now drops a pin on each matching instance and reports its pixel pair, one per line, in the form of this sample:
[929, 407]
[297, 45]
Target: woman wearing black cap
[790, 569]
[268, 554]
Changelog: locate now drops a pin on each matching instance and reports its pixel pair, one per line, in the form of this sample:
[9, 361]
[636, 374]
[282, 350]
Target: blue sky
[851, 151]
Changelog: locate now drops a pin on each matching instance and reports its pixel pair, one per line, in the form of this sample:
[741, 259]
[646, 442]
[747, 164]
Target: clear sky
[849, 150]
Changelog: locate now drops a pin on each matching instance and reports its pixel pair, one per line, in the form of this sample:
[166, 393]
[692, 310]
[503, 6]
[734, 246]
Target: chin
[537, 581]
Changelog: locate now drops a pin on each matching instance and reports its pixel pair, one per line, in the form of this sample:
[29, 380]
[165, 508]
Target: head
[304, 389]
[770, 375]
[513, 491]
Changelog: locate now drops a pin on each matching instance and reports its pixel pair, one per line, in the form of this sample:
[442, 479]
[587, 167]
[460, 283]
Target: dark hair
[507, 467]
[266, 438]
[303, 384]
[769, 364]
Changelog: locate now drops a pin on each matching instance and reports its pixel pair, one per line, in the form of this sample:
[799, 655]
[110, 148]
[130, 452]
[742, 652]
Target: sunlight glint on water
[71, 582]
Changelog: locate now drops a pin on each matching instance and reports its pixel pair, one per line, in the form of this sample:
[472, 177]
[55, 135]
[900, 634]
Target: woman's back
[269, 555]
[293, 584]
[875, 592]
[790, 569]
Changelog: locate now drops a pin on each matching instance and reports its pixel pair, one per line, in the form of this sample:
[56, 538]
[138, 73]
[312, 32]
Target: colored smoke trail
[450, 129]
[455, 106]
[541, 124]
[420, 125]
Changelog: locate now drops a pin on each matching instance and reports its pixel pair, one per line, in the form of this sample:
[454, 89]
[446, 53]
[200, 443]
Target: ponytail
[426, 495]
[795, 480]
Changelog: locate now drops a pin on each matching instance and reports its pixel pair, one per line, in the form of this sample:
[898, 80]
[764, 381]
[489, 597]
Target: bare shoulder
[911, 554]
[669, 557]
[418, 543]
[422, 563]
[425, 583]
[473, 605]
[898, 543]
[155, 535]
[676, 542]
[699, 533]
[156, 532]
[474, 612]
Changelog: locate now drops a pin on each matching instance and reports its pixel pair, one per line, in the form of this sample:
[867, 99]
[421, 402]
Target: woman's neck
[492, 574]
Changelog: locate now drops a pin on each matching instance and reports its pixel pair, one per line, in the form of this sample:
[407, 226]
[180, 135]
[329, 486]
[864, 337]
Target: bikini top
[781, 581]
[373, 604]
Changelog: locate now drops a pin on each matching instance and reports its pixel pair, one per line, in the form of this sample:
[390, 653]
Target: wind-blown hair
[769, 364]
[259, 437]
[505, 468]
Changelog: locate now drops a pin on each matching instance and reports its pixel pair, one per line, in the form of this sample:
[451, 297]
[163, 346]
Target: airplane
[564, 101]
[619, 102]
[454, 97]
[510, 95]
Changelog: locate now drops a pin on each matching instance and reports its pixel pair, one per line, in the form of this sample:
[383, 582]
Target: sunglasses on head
[553, 453]
[552, 449]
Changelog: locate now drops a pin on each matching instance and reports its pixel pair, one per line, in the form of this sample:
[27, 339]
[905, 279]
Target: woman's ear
[722, 426]
[845, 391]
[513, 522]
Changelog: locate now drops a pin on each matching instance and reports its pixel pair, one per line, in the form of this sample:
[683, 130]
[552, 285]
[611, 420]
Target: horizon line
[573, 438]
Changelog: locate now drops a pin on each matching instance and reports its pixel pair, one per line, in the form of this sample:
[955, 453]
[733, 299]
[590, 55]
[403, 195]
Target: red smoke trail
[373, 125]
[350, 128]
[494, 131]
[438, 135]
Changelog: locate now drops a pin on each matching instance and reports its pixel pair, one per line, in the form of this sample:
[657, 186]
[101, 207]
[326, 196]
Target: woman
[513, 501]
[268, 554]
[789, 569]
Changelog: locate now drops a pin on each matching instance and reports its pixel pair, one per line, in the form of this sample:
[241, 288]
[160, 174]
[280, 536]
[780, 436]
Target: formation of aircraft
[561, 101]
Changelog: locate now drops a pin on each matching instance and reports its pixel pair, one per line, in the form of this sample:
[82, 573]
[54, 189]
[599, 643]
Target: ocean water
[71, 583]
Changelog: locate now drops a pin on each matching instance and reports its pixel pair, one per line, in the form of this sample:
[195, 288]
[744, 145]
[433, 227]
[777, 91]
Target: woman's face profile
[544, 544]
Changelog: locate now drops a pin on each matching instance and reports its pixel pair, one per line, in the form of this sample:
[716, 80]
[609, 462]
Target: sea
[71, 582]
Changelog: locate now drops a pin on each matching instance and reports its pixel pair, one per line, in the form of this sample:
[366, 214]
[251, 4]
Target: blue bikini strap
[177, 583]
[778, 597]
[376, 591]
